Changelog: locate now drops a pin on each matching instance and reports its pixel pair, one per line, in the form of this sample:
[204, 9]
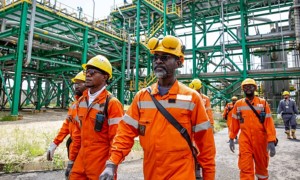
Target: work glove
[50, 151]
[69, 168]
[108, 173]
[279, 117]
[297, 117]
[231, 145]
[271, 148]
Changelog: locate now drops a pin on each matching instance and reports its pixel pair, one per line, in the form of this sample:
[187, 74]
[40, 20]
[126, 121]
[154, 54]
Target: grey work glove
[271, 148]
[231, 145]
[109, 171]
[69, 168]
[50, 151]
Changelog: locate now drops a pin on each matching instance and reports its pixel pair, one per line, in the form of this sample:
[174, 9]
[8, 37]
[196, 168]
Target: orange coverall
[95, 146]
[228, 110]
[207, 105]
[254, 137]
[167, 154]
[67, 128]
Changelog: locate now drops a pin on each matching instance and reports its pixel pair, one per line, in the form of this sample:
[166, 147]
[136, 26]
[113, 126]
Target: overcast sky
[102, 7]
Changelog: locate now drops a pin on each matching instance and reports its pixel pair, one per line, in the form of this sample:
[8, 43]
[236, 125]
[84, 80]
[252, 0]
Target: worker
[163, 157]
[99, 113]
[227, 114]
[196, 84]
[252, 115]
[69, 127]
[288, 111]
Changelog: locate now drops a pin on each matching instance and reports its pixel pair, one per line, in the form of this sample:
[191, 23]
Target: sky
[102, 7]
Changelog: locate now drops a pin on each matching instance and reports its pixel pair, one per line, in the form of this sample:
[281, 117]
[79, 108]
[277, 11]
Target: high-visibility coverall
[208, 108]
[69, 127]
[167, 154]
[254, 137]
[227, 114]
[288, 109]
[95, 146]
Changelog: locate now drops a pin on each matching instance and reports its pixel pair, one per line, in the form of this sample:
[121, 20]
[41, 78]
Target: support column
[19, 63]
[244, 48]
[85, 46]
[137, 56]
[194, 40]
[38, 103]
[122, 88]
[165, 17]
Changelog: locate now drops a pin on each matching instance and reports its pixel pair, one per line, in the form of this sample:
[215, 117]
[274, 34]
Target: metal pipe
[297, 22]
[30, 36]
[292, 7]
[128, 57]
[271, 35]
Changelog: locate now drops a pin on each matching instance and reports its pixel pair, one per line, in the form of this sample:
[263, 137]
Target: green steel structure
[43, 44]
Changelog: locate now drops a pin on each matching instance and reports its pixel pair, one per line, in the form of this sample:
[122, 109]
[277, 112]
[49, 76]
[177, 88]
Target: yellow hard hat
[195, 84]
[234, 98]
[249, 81]
[285, 93]
[255, 93]
[169, 44]
[80, 76]
[100, 62]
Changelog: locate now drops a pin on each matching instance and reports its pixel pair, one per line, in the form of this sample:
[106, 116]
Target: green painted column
[137, 56]
[194, 40]
[58, 95]
[19, 63]
[85, 46]
[39, 94]
[122, 88]
[28, 91]
[165, 17]
[148, 53]
[244, 49]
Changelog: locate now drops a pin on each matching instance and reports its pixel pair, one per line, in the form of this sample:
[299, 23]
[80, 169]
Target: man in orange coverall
[167, 154]
[227, 114]
[257, 136]
[69, 127]
[196, 84]
[99, 113]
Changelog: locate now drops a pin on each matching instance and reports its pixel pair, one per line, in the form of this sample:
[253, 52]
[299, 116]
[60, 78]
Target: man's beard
[160, 74]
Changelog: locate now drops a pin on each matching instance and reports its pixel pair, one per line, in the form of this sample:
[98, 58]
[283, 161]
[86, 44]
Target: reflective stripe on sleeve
[202, 126]
[268, 115]
[129, 120]
[115, 120]
[234, 116]
[188, 105]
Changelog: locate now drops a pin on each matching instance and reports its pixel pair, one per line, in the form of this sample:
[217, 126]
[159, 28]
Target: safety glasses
[249, 87]
[92, 72]
[163, 58]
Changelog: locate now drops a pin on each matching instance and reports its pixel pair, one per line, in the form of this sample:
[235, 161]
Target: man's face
[233, 101]
[95, 77]
[249, 89]
[164, 64]
[79, 87]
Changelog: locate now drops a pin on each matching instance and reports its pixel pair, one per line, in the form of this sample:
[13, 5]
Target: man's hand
[109, 171]
[231, 145]
[69, 168]
[50, 151]
[297, 117]
[271, 148]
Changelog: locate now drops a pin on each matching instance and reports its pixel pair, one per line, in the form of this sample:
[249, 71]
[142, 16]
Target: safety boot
[294, 133]
[287, 132]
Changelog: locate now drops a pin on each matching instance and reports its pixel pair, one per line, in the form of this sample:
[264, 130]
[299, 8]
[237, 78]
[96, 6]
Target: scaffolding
[227, 41]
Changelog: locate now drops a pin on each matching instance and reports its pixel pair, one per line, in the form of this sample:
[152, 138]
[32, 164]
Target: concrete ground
[284, 166]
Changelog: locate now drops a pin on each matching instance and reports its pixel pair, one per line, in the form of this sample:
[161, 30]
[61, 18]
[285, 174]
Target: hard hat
[195, 84]
[285, 93]
[234, 98]
[249, 81]
[101, 63]
[80, 76]
[255, 93]
[169, 44]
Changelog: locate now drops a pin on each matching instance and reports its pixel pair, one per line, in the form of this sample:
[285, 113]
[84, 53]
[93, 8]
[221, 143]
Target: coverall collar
[173, 90]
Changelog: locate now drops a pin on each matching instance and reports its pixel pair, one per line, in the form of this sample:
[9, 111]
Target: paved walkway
[284, 166]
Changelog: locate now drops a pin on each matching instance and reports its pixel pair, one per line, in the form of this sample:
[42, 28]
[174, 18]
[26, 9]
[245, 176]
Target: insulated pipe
[271, 35]
[297, 22]
[30, 36]
[128, 57]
